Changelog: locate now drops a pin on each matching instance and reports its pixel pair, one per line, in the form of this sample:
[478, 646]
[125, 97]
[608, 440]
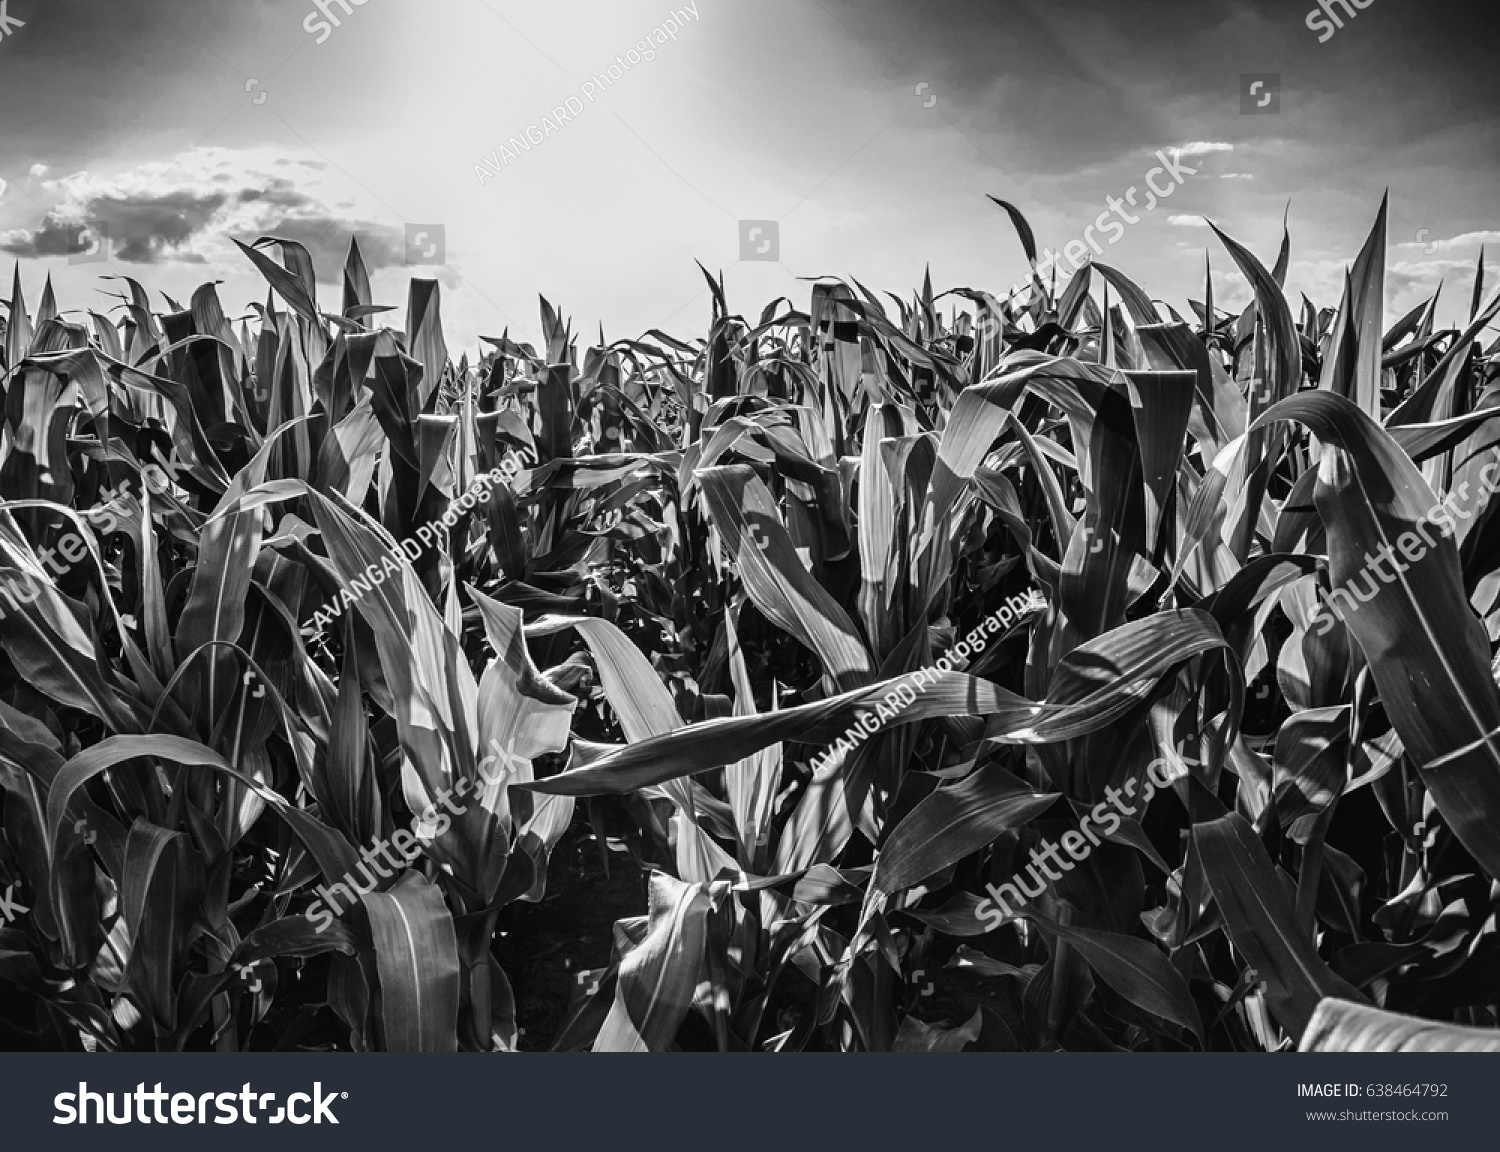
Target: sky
[871, 132]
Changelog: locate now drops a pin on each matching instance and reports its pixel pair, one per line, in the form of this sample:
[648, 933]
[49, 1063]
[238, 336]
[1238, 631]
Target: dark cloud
[142, 229]
[1063, 83]
[326, 239]
[280, 192]
[54, 238]
[161, 227]
[324, 234]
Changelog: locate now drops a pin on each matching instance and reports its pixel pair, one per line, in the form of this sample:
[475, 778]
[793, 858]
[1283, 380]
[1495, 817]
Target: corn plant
[282, 639]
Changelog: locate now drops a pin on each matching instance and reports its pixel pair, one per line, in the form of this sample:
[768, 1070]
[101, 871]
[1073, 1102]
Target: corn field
[303, 746]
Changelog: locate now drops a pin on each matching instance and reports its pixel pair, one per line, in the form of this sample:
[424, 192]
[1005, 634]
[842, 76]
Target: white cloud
[1235, 176]
[1467, 240]
[1202, 148]
[37, 170]
[1187, 221]
[1408, 282]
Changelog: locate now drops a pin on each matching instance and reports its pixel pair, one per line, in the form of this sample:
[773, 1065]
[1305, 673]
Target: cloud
[142, 229]
[1187, 221]
[1203, 148]
[326, 239]
[187, 210]
[53, 238]
[1408, 282]
[1467, 240]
